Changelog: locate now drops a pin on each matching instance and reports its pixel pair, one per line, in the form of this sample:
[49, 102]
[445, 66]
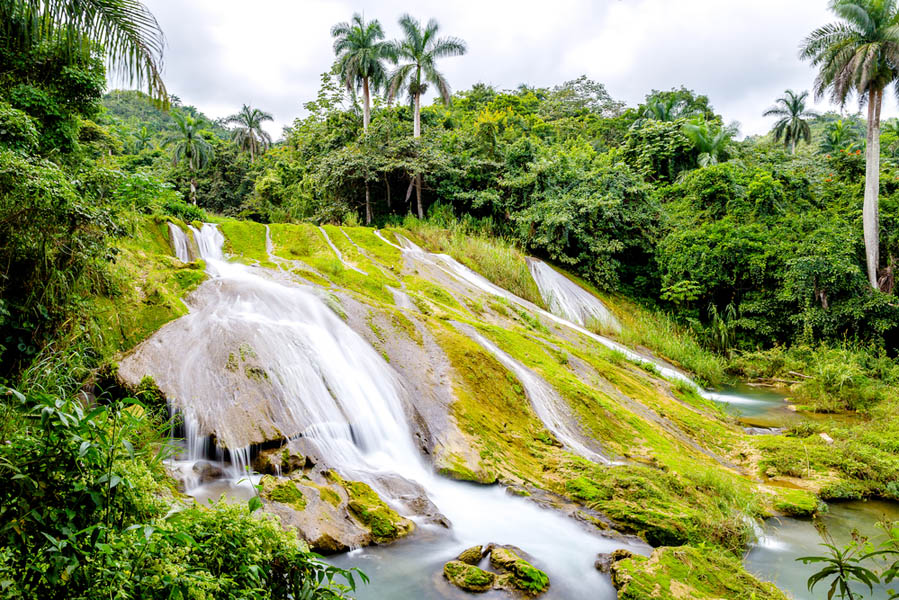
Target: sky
[270, 54]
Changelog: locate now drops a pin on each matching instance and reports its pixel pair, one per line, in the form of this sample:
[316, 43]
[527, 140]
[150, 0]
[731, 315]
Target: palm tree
[420, 49]
[142, 138]
[360, 58]
[249, 134]
[840, 135]
[791, 125]
[125, 30]
[710, 140]
[190, 146]
[860, 54]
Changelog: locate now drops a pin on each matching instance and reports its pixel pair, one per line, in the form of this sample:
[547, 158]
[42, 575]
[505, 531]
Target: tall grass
[494, 258]
[659, 332]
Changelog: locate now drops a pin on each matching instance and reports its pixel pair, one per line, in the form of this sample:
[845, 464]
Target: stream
[324, 372]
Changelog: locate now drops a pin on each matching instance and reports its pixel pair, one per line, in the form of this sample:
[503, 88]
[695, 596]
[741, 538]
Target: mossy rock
[472, 556]
[688, 572]
[385, 524]
[520, 574]
[468, 577]
[796, 503]
[285, 492]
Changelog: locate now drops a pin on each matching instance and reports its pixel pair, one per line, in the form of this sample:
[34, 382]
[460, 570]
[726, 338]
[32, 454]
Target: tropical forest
[427, 337]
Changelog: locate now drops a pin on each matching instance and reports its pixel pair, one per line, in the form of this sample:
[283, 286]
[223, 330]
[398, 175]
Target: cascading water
[462, 273]
[569, 300]
[338, 253]
[551, 409]
[180, 243]
[330, 386]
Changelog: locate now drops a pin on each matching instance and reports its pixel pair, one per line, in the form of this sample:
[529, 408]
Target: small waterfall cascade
[550, 408]
[180, 243]
[335, 390]
[568, 300]
[463, 274]
[338, 253]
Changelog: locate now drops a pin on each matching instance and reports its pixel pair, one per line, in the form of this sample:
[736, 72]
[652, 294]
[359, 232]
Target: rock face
[512, 573]
[332, 514]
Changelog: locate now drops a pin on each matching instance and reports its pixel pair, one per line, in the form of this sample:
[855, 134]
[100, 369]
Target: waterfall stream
[332, 388]
[568, 300]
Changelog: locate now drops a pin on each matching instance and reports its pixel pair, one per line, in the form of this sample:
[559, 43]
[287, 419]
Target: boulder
[468, 577]
[826, 438]
[472, 556]
[206, 471]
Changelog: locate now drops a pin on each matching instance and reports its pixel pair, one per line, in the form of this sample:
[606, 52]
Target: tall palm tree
[710, 140]
[860, 54]
[248, 133]
[190, 146]
[418, 52]
[361, 53]
[792, 124]
[126, 31]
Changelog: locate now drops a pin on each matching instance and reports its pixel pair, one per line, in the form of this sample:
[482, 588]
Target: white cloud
[270, 53]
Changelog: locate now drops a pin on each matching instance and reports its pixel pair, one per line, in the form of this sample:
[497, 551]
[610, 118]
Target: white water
[462, 273]
[550, 408]
[180, 243]
[338, 253]
[568, 300]
[336, 390]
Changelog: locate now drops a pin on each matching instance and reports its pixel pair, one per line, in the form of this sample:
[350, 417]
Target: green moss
[796, 503]
[687, 572]
[245, 239]
[523, 575]
[468, 577]
[285, 492]
[364, 504]
[329, 496]
[432, 291]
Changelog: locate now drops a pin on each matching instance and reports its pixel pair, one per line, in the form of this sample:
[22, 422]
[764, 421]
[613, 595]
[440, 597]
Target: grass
[497, 260]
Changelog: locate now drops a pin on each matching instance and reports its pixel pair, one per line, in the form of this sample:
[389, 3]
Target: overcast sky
[271, 53]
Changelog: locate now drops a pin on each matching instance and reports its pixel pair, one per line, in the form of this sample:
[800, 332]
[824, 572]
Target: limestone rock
[472, 555]
[826, 438]
[468, 577]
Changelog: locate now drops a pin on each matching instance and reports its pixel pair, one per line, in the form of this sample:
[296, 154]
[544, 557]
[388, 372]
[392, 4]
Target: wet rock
[826, 438]
[518, 574]
[279, 461]
[468, 577]
[603, 562]
[206, 471]
[384, 523]
[764, 430]
[472, 555]
[413, 498]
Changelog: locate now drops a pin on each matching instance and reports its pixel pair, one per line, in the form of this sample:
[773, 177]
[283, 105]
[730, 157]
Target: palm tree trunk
[793, 146]
[367, 204]
[193, 190]
[366, 110]
[870, 217]
[416, 133]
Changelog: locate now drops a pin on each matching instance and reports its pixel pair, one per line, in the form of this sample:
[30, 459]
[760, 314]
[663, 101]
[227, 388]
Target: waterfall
[568, 300]
[330, 386]
[463, 274]
[338, 253]
[550, 408]
[180, 243]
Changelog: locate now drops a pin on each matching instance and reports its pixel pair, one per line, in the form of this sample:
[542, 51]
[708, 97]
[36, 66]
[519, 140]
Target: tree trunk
[416, 132]
[870, 217]
[387, 183]
[421, 212]
[366, 110]
[193, 190]
[409, 189]
[793, 146]
[367, 205]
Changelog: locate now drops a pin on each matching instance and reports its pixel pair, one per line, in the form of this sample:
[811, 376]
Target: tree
[420, 49]
[191, 147]
[249, 134]
[792, 124]
[360, 58]
[126, 31]
[142, 138]
[839, 135]
[860, 54]
[709, 140]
